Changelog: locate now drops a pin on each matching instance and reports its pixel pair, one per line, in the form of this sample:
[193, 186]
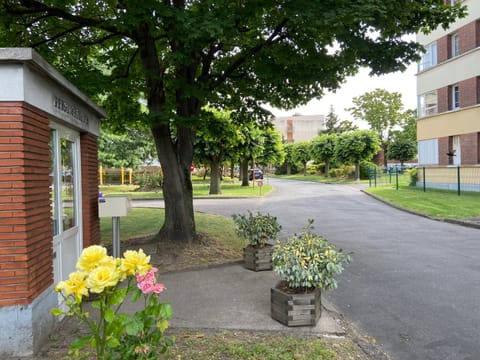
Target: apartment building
[448, 89]
[299, 127]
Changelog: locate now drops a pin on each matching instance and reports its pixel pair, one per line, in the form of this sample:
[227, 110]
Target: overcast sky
[404, 83]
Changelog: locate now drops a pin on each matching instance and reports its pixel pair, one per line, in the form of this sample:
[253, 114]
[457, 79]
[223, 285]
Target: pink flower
[158, 288]
[147, 283]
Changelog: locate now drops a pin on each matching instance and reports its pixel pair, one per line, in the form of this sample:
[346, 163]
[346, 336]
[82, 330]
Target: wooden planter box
[258, 259]
[302, 309]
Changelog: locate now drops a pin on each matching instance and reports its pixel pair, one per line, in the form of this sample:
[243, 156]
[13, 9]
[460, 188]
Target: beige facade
[299, 127]
[448, 90]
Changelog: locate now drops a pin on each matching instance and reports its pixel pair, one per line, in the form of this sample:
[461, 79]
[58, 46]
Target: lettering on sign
[74, 112]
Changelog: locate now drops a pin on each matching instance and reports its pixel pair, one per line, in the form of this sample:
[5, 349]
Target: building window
[455, 97]
[427, 104]
[454, 44]
[429, 57]
[428, 152]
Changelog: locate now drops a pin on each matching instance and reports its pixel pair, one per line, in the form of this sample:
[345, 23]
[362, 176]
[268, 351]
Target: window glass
[53, 182]
[67, 184]
[429, 58]
[454, 43]
[427, 104]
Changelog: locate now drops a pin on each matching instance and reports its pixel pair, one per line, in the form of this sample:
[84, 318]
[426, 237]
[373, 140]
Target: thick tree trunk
[357, 173]
[232, 170]
[289, 169]
[327, 167]
[244, 172]
[385, 155]
[305, 169]
[215, 177]
[176, 159]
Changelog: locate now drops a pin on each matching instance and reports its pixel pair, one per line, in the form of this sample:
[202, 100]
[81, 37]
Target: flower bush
[257, 229]
[108, 281]
[308, 261]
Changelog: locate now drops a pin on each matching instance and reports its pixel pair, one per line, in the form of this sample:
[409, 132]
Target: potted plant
[258, 229]
[306, 264]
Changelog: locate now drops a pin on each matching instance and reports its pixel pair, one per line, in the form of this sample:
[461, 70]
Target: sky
[404, 83]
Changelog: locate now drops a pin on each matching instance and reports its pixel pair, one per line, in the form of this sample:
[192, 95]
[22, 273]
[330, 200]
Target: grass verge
[259, 346]
[199, 190]
[435, 203]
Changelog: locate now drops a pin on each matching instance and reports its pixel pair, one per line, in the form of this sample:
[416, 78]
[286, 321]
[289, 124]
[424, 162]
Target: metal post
[458, 180]
[375, 175]
[116, 236]
[424, 181]
[396, 179]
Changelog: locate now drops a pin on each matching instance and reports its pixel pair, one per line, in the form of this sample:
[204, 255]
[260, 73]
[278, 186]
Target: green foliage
[402, 149]
[413, 173]
[308, 261]
[342, 171]
[273, 149]
[127, 147]
[352, 148]
[335, 126]
[149, 179]
[365, 168]
[257, 229]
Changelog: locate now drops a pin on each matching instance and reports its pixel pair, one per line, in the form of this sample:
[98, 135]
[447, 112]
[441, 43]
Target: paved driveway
[414, 283]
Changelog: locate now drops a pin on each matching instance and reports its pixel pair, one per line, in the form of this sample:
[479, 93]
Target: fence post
[375, 175]
[424, 180]
[370, 174]
[100, 171]
[130, 172]
[122, 172]
[458, 180]
[396, 179]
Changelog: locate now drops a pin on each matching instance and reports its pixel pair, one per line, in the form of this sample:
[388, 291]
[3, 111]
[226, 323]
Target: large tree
[181, 55]
[323, 149]
[355, 147]
[216, 137]
[333, 124]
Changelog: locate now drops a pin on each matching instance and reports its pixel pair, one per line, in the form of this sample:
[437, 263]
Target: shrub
[308, 261]
[413, 176]
[342, 171]
[365, 168]
[150, 179]
[257, 229]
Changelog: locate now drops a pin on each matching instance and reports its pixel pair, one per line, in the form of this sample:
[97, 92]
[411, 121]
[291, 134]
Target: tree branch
[56, 36]
[34, 7]
[241, 58]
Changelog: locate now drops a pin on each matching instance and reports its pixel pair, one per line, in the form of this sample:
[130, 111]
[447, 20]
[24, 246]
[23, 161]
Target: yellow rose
[75, 285]
[103, 276]
[92, 257]
[135, 262]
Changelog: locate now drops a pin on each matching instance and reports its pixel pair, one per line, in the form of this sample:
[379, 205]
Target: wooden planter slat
[258, 259]
[296, 309]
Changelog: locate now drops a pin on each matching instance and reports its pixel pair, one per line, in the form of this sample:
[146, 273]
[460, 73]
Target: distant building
[299, 127]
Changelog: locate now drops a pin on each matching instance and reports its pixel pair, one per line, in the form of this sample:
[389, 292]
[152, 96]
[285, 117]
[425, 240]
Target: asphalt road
[414, 283]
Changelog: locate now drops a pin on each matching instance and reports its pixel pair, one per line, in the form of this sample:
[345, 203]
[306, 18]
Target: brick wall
[468, 92]
[26, 264]
[469, 148]
[91, 224]
[443, 149]
[443, 98]
[467, 37]
[443, 49]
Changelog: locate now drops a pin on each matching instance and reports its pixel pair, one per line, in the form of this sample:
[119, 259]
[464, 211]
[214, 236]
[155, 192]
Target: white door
[457, 159]
[66, 200]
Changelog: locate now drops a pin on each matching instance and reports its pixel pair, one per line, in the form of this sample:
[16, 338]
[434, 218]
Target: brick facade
[91, 224]
[469, 147]
[26, 262]
[443, 149]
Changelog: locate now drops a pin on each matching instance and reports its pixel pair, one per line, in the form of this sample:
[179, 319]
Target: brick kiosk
[48, 193]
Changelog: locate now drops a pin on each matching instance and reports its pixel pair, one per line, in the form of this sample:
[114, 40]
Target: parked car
[258, 174]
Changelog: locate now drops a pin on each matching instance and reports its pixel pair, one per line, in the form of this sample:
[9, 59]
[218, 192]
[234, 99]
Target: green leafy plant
[308, 261]
[257, 229]
[108, 281]
[413, 172]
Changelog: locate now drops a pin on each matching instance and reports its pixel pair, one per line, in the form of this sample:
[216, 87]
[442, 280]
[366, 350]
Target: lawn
[142, 222]
[434, 203]
[200, 189]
